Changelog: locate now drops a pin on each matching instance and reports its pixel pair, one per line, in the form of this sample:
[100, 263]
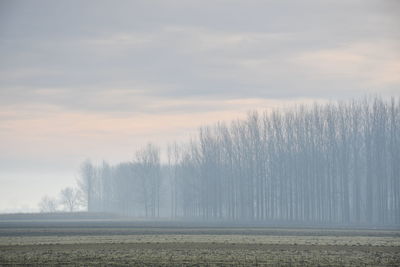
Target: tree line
[335, 163]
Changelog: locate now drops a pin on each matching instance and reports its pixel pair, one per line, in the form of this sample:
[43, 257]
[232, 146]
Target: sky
[100, 79]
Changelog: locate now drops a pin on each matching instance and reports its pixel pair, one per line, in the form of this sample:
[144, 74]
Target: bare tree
[149, 173]
[48, 204]
[86, 184]
[70, 198]
[331, 163]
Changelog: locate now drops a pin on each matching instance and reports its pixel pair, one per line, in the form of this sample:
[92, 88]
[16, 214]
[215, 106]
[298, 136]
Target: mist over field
[325, 164]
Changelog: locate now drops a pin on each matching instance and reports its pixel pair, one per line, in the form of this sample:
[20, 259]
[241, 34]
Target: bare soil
[130, 244]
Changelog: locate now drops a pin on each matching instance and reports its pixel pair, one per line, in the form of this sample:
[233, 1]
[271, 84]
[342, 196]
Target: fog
[99, 80]
[325, 164]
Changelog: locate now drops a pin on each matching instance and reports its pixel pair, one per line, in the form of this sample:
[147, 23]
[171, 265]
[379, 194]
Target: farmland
[120, 242]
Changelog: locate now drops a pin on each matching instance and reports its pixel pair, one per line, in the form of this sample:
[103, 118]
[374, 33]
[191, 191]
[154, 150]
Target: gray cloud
[224, 49]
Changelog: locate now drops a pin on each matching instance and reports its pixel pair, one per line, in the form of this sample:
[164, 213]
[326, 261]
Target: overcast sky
[98, 79]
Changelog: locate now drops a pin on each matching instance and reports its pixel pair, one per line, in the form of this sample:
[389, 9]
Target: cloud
[374, 64]
[171, 46]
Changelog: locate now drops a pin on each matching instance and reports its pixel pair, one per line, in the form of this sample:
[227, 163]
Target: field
[116, 242]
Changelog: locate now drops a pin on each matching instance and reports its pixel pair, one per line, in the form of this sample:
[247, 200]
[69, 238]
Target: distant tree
[70, 198]
[148, 160]
[86, 184]
[330, 163]
[48, 204]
